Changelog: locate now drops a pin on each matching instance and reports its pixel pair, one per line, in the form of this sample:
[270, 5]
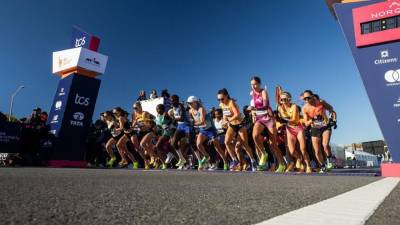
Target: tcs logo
[80, 100]
[79, 42]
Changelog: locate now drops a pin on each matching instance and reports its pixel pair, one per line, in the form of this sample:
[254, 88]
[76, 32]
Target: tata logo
[58, 105]
[392, 77]
[78, 116]
[92, 61]
[79, 42]
[393, 10]
[385, 58]
[80, 100]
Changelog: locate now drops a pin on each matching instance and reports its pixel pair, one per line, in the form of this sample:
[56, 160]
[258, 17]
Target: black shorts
[119, 136]
[237, 127]
[317, 132]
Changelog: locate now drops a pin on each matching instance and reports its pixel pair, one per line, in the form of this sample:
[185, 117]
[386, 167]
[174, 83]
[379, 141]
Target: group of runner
[256, 138]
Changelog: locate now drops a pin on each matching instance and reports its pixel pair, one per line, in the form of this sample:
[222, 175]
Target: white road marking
[350, 208]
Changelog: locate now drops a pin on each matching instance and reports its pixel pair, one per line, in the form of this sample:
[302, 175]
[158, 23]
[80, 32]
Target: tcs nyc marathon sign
[75, 99]
[372, 30]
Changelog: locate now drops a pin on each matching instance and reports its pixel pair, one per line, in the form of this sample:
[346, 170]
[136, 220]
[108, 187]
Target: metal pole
[12, 101]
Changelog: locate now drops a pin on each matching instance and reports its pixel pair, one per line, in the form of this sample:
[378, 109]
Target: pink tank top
[261, 109]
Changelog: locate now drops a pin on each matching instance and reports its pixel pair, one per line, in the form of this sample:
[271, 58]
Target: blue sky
[191, 48]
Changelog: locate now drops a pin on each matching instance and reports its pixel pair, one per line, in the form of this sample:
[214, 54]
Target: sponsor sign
[378, 63]
[79, 57]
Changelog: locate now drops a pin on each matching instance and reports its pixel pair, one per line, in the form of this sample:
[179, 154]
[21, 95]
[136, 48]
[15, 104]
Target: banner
[9, 137]
[377, 60]
[71, 115]
[79, 57]
[151, 104]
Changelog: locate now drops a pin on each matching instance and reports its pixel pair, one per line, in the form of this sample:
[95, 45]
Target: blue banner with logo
[9, 137]
[378, 63]
[71, 115]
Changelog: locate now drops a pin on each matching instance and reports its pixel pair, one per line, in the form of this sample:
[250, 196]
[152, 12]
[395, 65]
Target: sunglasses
[284, 100]
[135, 108]
[306, 98]
[221, 99]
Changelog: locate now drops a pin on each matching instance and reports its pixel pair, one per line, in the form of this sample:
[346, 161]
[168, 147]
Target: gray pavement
[120, 196]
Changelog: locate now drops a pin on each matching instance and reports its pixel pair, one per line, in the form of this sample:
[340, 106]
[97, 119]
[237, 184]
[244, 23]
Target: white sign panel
[151, 104]
[79, 57]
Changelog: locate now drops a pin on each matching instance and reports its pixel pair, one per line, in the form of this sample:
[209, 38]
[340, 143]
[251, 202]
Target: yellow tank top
[228, 112]
[289, 114]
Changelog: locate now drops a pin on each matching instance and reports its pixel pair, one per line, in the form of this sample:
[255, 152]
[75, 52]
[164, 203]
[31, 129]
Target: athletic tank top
[112, 126]
[288, 114]
[197, 117]
[218, 126]
[176, 111]
[163, 122]
[317, 113]
[258, 102]
[227, 112]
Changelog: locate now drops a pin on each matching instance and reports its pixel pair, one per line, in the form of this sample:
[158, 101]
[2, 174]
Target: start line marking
[351, 208]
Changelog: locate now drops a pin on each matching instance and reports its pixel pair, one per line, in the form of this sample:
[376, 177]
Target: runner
[290, 116]
[314, 112]
[207, 131]
[123, 127]
[236, 130]
[263, 118]
[141, 125]
[183, 135]
[164, 130]
[112, 124]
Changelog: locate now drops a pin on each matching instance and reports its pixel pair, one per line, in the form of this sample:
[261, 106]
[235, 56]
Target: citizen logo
[80, 100]
[385, 58]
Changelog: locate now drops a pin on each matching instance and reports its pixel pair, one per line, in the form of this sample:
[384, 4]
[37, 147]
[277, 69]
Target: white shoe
[170, 156]
[213, 167]
[181, 162]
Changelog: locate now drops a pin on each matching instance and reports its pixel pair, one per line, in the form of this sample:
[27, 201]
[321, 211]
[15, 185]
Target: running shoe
[170, 157]
[226, 167]
[239, 168]
[308, 169]
[164, 166]
[322, 170]
[299, 165]
[233, 165]
[200, 167]
[111, 162]
[302, 168]
[254, 166]
[281, 168]
[213, 167]
[181, 162]
[263, 159]
[152, 160]
[135, 165]
[329, 166]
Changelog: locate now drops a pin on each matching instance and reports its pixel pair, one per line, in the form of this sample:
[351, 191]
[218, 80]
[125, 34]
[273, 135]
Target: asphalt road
[121, 196]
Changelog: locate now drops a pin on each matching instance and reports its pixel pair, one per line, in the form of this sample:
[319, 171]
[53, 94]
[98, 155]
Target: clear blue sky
[189, 47]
